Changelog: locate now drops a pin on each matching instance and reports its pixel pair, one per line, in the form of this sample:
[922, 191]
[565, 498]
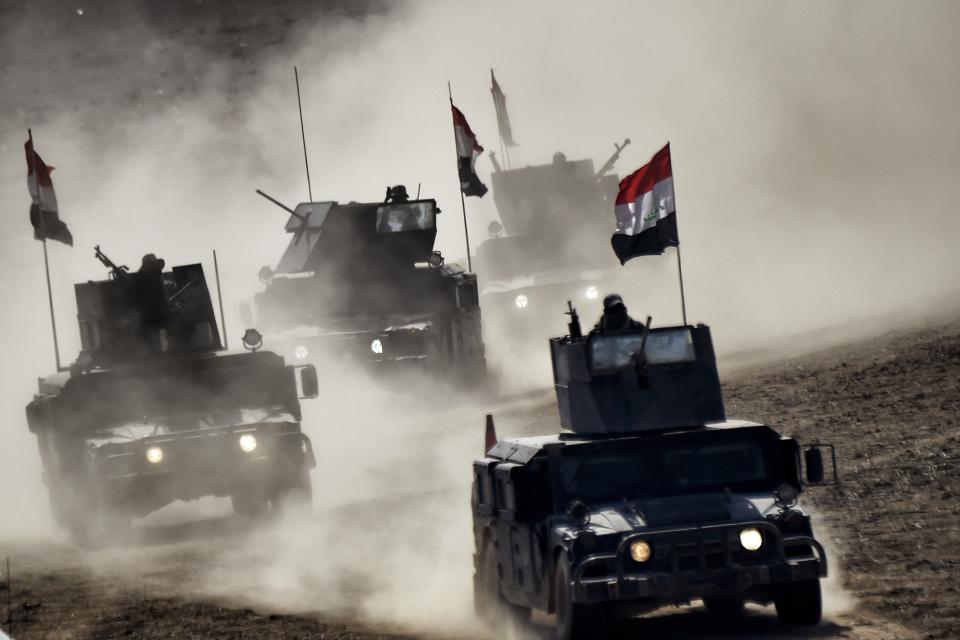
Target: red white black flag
[44, 214]
[503, 118]
[468, 150]
[646, 216]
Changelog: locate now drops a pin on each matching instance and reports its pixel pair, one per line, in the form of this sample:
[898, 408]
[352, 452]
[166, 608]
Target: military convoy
[155, 410]
[362, 282]
[650, 497]
[551, 243]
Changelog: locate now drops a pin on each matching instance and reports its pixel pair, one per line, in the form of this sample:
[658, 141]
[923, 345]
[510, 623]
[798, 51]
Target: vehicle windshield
[411, 216]
[666, 470]
[610, 353]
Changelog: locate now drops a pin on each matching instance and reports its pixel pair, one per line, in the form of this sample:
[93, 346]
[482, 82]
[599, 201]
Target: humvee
[650, 496]
[155, 410]
[362, 282]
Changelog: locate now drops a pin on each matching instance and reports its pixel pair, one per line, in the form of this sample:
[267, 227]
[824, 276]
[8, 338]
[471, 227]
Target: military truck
[649, 497]
[362, 282]
[550, 244]
[155, 410]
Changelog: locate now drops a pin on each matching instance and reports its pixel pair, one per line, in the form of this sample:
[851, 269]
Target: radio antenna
[303, 135]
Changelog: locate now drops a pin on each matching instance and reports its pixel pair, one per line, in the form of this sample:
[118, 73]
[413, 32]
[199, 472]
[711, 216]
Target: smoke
[813, 148]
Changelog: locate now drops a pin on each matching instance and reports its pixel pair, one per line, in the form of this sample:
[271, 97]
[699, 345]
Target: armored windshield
[410, 216]
[650, 472]
[610, 353]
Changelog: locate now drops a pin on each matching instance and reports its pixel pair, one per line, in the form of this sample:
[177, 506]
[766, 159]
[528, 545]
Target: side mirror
[813, 458]
[309, 382]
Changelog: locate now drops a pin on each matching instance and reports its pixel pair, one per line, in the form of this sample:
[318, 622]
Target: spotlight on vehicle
[252, 339]
[751, 539]
[376, 346]
[155, 455]
[248, 442]
[786, 496]
[592, 292]
[640, 551]
[521, 301]
[435, 260]
[301, 352]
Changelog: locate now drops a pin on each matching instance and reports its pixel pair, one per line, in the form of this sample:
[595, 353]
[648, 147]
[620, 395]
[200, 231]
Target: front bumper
[690, 563]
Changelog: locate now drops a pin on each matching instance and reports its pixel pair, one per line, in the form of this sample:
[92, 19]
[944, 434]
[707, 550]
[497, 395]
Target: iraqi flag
[646, 216]
[468, 150]
[44, 214]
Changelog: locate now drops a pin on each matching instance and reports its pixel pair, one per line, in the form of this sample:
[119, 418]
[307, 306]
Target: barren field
[891, 405]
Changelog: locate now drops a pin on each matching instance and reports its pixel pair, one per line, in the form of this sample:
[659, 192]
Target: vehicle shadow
[152, 535]
[692, 623]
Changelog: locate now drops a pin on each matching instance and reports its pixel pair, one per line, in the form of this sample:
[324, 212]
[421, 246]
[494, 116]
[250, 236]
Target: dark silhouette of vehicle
[155, 410]
[652, 497]
[362, 282]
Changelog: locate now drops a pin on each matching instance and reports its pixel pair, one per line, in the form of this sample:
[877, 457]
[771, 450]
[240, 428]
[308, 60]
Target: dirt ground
[891, 406]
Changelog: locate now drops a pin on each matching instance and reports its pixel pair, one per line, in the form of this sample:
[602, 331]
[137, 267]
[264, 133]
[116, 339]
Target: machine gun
[576, 332]
[116, 272]
[612, 160]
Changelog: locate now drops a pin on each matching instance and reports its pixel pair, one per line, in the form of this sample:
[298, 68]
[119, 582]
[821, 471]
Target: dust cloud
[814, 150]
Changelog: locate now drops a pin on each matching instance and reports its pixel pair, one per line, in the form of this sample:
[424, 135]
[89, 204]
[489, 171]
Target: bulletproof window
[467, 296]
[610, 353]
[410, 216]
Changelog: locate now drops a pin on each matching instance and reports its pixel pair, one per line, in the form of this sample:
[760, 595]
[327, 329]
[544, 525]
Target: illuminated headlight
[640, 551]
[248, 442]
[751, 539]
[301, 352]
[154, 455]
[592, 292]
[521, 301]
[376, 346]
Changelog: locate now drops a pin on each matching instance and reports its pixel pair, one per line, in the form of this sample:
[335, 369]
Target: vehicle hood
[678, 511]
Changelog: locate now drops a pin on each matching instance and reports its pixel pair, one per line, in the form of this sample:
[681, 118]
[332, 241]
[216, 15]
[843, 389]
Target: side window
[467, 297]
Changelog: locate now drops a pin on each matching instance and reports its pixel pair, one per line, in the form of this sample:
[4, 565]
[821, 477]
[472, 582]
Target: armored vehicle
[650, 497]
[551, 243]
[155, 410]
[362, 282]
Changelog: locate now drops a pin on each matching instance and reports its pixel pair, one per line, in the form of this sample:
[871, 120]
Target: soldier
[151, 264]
[615, 318]
[397, 194]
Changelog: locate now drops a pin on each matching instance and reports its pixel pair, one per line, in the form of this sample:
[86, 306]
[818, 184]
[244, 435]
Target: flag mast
[46, 261]
[463, 206]
[683, 300]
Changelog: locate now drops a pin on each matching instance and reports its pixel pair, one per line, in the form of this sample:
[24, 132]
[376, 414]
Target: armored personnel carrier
[362, 282]
[650, 496]
[551, 243]
[154, 410]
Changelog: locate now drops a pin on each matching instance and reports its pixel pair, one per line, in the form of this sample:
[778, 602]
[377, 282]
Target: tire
[574, 621]
[799, 602]
[294, 495]
[494, 609]
[723, 606]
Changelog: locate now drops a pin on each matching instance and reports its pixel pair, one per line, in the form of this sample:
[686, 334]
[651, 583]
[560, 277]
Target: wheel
[723, 606]
[799, 602]
[494, 609]
[249, 502]
[574, 621]
[294, 494]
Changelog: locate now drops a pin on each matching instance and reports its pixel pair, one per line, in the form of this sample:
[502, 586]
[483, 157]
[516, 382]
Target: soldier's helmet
[397, 194]
[612, 301]
[559, 157]
[151, 263]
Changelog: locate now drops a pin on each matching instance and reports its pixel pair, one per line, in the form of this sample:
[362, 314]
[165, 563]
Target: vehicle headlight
[521, 301]
[751, 539]
[592, 292]
[155, 455]
[301, 352]
[640, 551]
[248, 442]
[376, 346]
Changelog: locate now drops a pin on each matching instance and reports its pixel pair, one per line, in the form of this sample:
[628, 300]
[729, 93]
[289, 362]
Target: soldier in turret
[615, 318]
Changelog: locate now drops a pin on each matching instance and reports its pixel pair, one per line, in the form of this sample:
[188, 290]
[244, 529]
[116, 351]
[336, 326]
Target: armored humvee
[551, 243]
[154, 410]
[650, 497]
[362, 282]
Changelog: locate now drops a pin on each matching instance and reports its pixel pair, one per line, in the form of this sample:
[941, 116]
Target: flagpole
[46, 261]
[683, 300]
[463, 205]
